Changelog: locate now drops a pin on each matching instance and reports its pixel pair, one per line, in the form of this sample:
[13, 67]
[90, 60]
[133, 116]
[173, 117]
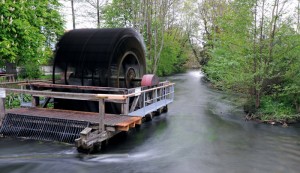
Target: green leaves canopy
[257, 55]
[28, 29]
[166, 46]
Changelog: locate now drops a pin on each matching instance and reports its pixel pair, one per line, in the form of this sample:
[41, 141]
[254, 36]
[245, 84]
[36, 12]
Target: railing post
[101, 114]
[35, 101]
[173, 91]
[155, 98]
[125, 107]
[2, 104]
[144, 101]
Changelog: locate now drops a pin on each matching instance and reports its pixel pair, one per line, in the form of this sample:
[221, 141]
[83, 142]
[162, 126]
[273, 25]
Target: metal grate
[42, 128]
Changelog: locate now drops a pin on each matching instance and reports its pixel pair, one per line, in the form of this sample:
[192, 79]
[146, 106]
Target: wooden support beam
[78, 87]
[134, 103]
[85, 133]
[125, 107]
[132, 125]
[139, 122]
[82, 96]
[111, 129]
[2, 110]
[123, 128]
[155, 96]
[47, 100]
[2, 104]
[71, 96]
[101, 114]
[25, 82]
[35, 101]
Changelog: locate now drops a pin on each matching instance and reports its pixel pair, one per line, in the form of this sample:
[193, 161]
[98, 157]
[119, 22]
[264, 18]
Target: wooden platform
[111, 121]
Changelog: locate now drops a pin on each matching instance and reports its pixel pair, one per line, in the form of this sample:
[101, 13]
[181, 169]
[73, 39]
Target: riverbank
[271, 111]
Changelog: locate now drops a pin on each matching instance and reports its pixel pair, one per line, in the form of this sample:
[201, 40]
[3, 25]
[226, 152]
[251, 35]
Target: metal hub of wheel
[130, 76]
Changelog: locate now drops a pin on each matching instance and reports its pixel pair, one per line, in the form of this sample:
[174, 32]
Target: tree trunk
[296, 103]
[73, 13]
[255, 80]
[11, 68]
[198, 58]
[298, 17]
[161, 8]
[149, 23]
[259, 63]
[274, 19]
[98, 14]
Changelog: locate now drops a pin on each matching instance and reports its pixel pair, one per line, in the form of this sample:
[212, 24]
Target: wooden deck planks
[120, 122]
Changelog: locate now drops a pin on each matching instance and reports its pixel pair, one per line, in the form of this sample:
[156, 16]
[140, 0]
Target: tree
[175, 52]
[154, 19]
[120, 13]
[298, 17]
[89, 11]
[266, 70]
[148, 17]
[28, 30]
[96, 10]
[73, 14]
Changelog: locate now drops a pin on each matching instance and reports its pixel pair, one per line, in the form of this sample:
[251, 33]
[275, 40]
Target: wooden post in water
[101, 114]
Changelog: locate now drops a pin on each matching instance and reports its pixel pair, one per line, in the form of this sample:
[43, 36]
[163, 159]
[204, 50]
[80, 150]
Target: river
[202, 132]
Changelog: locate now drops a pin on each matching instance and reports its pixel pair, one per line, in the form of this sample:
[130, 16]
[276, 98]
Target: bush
[14, 100]
[30, 71]
[275, 109]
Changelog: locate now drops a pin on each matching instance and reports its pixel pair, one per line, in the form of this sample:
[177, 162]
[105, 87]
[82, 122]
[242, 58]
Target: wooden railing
[7, 78]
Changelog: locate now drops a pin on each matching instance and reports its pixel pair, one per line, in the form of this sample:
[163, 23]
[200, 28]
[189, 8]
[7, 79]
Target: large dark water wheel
[98, 57]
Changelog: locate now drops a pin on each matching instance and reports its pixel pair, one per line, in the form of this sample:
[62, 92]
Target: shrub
[30, 71]
[277, 110]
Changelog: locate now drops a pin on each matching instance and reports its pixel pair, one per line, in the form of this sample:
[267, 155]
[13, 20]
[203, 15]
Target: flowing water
[202, 132]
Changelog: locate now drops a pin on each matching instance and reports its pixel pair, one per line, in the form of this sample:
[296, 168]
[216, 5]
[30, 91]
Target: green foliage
[174, 54]
[266, 65]
[120, 13]
[27, 30]
[229, 63]
[277, 110]
[166, 49]
[12, 101]
[30, 71]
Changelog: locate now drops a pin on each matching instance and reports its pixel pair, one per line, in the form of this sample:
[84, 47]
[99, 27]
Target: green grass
[272, 109]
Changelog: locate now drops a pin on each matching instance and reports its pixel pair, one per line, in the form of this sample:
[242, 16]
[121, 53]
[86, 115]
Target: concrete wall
[47, 70]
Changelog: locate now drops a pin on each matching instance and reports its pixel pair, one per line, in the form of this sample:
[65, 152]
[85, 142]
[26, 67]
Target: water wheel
[98, 57]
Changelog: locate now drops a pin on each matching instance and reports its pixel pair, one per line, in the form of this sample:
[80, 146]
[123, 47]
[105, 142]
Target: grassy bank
[273, 109]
